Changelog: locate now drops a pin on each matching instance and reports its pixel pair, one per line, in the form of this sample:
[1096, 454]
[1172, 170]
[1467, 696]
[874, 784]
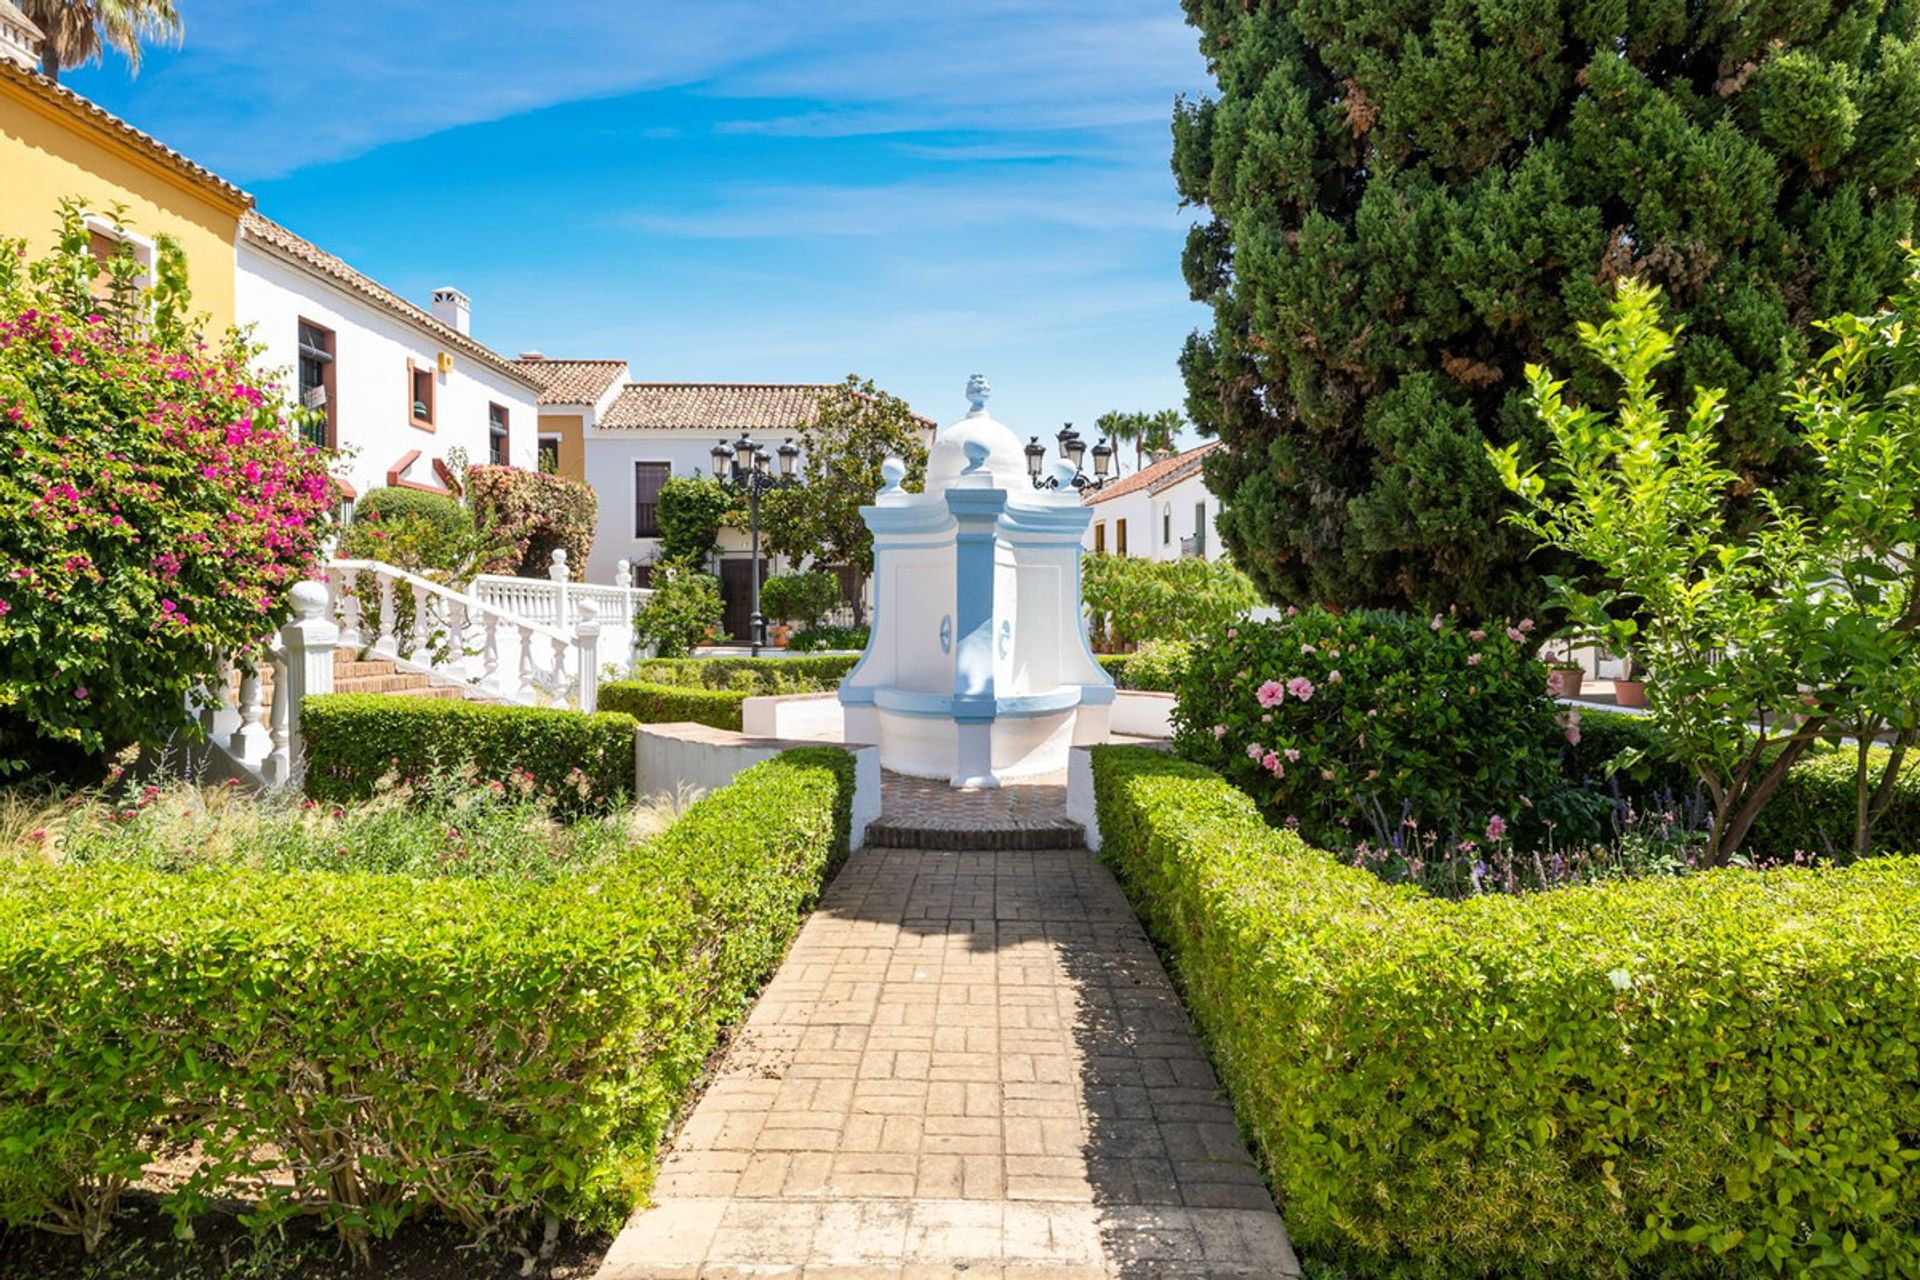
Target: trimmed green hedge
[1716, 1075]
[816, 673]
[671, 704]
[492, 1051]
[355, 739]
[1812, 811]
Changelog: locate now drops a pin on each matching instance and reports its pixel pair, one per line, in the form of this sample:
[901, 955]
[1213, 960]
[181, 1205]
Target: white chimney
[450, 306]
[19, 38]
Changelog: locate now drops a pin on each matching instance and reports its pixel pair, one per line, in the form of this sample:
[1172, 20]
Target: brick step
[399, 682]
[906, 833]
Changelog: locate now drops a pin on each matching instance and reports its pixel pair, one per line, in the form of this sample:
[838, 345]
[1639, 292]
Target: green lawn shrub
[822, 638]
[1711, 1076]
[801, 598]
[355, 740]
[1131, 600]
[674, 704]
[491, 1050]
[816, 673]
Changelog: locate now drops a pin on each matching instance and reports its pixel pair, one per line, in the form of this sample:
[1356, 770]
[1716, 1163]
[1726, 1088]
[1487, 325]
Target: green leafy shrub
[685, 606]
[815, 639]
[1157, 666]
[354, 741]
[533, 514]
[159, 505]
[490, 1051]
[692, 509]
[1131, 601]
[1373, 721]
[675, 704]
[760, 675]
[394, 503]
[1711, 1076]
[800, 597]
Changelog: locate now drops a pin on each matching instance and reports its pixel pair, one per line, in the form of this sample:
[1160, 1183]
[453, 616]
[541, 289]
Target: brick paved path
[970, 1065]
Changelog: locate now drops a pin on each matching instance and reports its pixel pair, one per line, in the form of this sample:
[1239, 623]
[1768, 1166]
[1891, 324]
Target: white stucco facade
[612, 471]
[1166, 510]
[375, 349]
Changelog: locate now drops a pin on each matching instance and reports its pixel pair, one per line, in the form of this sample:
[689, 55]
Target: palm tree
[1150, 432]
[77, 31]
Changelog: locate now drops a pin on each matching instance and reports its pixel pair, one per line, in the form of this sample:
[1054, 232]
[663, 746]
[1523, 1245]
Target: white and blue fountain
[978, 668]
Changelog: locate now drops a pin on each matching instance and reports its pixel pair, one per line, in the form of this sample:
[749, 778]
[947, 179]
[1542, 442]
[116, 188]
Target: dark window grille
[647, 479]
[497, 434]
[316, 384]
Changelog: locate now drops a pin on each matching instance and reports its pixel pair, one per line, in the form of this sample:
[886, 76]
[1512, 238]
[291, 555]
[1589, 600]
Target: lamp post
[745, 467]
[1073, 451]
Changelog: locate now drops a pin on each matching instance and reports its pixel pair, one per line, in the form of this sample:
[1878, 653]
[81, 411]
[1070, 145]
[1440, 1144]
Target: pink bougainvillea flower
[1271, 694]
[1301, 688]
[1496, 829]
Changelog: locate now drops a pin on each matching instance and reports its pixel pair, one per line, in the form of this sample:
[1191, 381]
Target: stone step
[907, 833]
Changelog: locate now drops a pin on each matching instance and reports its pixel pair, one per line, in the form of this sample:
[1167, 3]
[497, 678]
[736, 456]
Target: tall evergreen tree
[1411, 199]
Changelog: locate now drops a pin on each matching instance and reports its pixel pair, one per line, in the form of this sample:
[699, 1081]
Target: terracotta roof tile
[572, 381]
[272, 236]
[719, 406]
[1158, 476]
[73, 104]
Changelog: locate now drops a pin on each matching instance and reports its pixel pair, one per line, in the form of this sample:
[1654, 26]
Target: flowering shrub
[531, 515]
[1376, 723]
[684, 607]
[158, 508]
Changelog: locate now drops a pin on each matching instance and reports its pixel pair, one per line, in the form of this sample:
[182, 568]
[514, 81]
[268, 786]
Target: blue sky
[782, 190]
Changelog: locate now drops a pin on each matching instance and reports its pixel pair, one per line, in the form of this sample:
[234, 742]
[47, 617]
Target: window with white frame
[106, 240]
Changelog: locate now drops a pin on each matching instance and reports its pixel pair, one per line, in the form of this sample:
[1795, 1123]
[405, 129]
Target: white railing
[457, 636]
[262, 736]
[556, 601]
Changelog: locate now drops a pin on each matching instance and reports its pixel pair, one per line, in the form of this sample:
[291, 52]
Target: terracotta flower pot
[1630, 693]
[1564, 682]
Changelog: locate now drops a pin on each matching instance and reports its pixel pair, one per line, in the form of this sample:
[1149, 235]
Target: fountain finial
[978, 389]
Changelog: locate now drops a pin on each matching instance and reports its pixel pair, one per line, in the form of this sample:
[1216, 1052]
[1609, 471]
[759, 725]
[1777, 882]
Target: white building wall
[372, 398]
[610, 458]
[1147, 532]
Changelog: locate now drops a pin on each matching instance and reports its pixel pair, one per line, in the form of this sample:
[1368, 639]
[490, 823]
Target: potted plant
[1564, 676]
[1629, 688]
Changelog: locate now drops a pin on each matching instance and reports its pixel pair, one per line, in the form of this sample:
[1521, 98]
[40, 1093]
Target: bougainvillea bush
[158, 507]
[1374, 724]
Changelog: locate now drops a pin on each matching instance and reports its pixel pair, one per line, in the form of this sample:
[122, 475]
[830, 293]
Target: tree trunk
[50, 61]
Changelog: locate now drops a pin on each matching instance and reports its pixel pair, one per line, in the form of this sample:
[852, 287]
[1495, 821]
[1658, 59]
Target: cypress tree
[1411, 199]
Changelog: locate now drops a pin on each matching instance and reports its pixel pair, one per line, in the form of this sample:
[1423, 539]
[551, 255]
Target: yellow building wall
[46, 153]
[573, 456]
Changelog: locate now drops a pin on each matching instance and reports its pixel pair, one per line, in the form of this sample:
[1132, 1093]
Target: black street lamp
[745, 467]
[1073, 451]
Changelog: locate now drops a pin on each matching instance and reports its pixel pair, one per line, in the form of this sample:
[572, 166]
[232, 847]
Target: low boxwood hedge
[815, 673]
[1716, 1075]
[355, 739]
[672, 704]
[493, 1051]
[1811, 812]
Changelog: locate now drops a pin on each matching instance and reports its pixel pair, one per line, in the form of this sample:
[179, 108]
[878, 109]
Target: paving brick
[971, 1067]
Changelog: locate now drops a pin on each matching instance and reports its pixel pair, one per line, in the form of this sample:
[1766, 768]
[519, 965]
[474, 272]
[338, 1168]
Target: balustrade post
[586, 639]
[524, 687]
[346, 600]
[386, 644]
[558, 572]
[278, 765]
[249, 740]
[216, 693]
[490, 652]
[307, 646]
[420, 649]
